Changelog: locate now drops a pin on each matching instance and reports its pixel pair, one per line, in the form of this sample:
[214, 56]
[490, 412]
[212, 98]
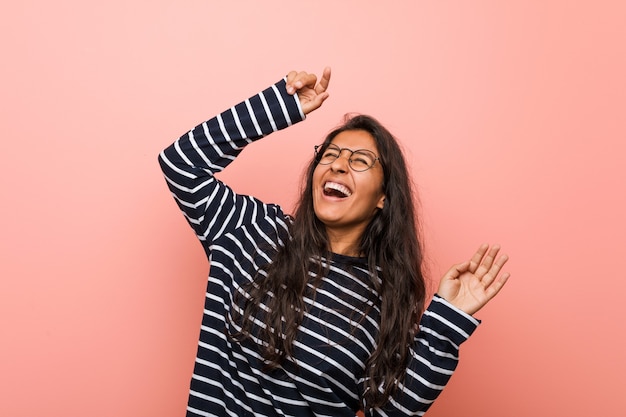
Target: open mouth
[333, 189]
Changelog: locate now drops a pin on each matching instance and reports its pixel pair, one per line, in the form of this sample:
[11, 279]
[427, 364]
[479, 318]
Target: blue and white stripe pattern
[240, 234]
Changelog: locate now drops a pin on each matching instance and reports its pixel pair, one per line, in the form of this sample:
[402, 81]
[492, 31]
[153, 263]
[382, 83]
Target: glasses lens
[329, 154]
[362, 160]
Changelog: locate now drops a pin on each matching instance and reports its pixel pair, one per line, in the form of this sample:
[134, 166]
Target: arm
[445, 325]
[189, 164]
[434, 357]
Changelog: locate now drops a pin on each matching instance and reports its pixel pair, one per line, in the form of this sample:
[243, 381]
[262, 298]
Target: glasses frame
[320, 148]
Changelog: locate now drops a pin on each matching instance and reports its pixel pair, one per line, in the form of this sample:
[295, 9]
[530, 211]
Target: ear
[381, 202]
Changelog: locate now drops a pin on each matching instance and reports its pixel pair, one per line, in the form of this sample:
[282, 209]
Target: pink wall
[512, 114]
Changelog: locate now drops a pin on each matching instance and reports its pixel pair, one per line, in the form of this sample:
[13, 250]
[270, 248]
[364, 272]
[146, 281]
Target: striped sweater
[240, 234]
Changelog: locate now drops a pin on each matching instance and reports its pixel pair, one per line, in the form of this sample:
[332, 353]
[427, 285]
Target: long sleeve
[189, 164]
[435, 356]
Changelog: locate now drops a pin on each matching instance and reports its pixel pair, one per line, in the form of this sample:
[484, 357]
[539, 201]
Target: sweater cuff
[292, 108]
[458, 324]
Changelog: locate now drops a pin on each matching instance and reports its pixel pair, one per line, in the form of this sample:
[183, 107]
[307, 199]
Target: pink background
[511, 113]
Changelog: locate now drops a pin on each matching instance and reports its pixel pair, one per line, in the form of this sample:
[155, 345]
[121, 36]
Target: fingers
[494, 270]
[489, 272]
[298, 80]
[487, 260]
[486, 265]
[478, 256]
[495, 287]
[323, 84]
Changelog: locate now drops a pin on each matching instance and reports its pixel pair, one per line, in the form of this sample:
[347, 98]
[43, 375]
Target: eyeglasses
[359, 160]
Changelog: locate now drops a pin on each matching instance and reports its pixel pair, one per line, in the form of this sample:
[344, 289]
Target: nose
[342, 163]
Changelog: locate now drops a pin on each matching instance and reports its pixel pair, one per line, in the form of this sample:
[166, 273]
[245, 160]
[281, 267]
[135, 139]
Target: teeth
[338, 187]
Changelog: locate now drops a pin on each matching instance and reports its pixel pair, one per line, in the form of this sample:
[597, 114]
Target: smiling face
[343, 199]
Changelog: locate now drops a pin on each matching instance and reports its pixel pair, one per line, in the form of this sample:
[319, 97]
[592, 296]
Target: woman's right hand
[311, 93]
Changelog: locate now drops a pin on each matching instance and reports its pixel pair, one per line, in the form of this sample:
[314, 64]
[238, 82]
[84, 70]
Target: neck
[344, 242]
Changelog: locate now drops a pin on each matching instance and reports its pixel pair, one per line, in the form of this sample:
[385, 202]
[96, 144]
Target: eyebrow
[351, 150]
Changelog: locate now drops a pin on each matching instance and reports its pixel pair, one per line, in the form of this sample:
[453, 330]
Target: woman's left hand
[471, 284]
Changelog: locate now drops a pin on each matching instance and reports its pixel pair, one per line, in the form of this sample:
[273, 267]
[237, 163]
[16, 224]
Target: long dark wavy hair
[389, 242]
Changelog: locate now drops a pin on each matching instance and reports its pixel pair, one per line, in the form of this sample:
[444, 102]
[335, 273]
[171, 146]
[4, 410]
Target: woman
[318, 314]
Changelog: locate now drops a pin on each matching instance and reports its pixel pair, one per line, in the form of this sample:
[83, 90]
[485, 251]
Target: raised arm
[189, 164]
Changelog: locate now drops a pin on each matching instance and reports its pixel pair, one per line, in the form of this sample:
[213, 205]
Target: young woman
[322, 313]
